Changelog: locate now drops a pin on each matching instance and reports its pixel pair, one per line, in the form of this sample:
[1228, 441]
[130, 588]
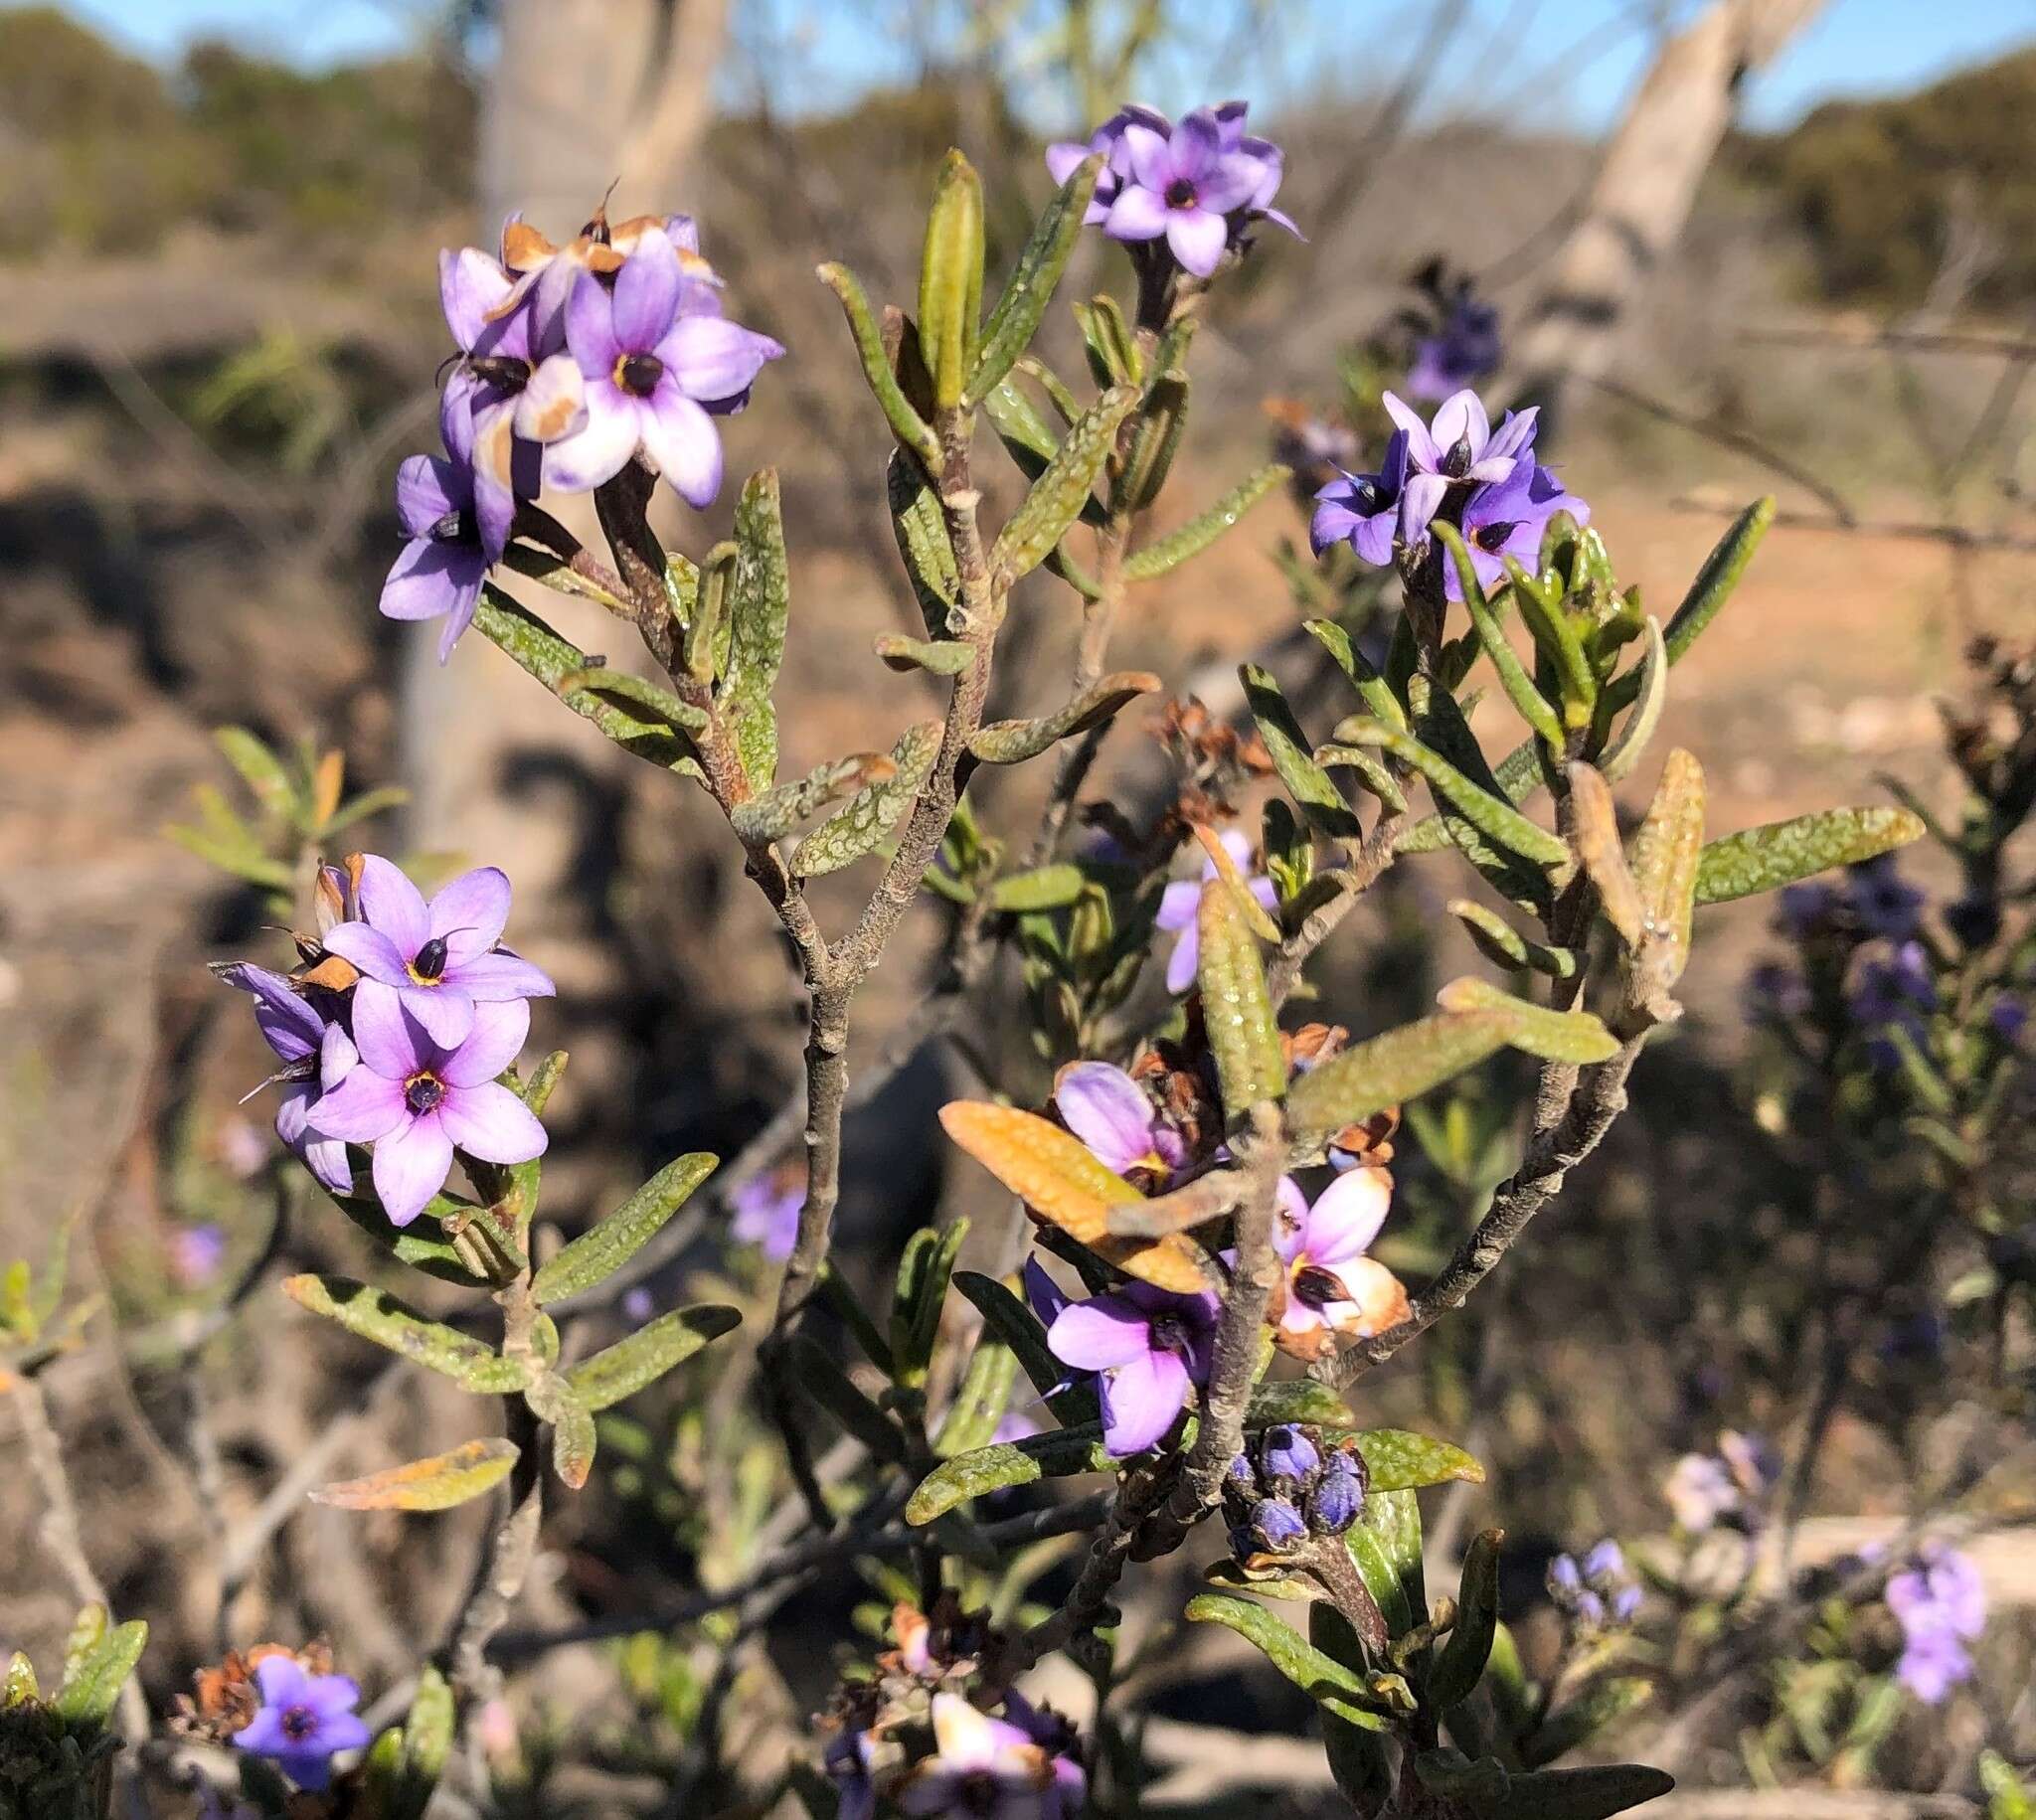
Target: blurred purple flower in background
[1180, 906]
[303, 1721]
[1462, 351]
[1939, 1601]
[986, 1768]
[1881, 901]
[1893, 994]
[196, 1254]
[766, 1212]
[1807, 910]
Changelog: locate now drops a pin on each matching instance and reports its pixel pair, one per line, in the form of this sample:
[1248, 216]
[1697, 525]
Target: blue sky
[1857, 47]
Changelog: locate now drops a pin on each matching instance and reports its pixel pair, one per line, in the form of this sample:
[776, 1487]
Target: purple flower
[1186, 182]
[986, 1768]
[1063, 156]
[638, 1305]
[1506, 519]
[766, 1210]
[1607, 1561]
[1807, 910]
[1599, 1591]
[414, 1099]
[1462, 351]
[1276, 1525]
[1363, 510]
[196, 1254]
[1891, 994]
[303, 1721]
[1112, 1115]
[645, 363]
[451, 544]
[441, 959]
[847, 1761]
[1773, 990]
[1152, 1348]
[1181, 902]
[1459, 447]
[1333, 1290]
[1286, 1453]
[316, 1056]
[1939, 1601]
[1882, 901]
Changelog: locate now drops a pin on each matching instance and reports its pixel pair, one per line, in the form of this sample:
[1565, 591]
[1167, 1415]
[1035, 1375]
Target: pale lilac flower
[1063, 155]
[1939, 1601]
[450, 549]
[1333, 1292]
[1116, 1121]
[440, 958]
[986, 1768]
[196, 1254]
[766, 1214]
[1459, 447]
[317, 1056]
[1185, 182]
[416, 1099]
[1506, 519]
[303, 1721]
[1363, 510]
[646, 372]
[1181, 902]
[1700, 1492]
[1462, 351]
[1152, 1347]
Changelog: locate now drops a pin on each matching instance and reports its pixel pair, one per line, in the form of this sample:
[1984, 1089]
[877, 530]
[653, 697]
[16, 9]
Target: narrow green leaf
[923, 546]
[260, 769]
[1059, 494]
[1156, 430]
[1058, 1455]
[1371, 772]
[980, 1399]
[1490, 815]
[426, 1745]
[1397, 1459]
[1719, 577]
[91, 1683]
[1028, 438]
[1043, 888]
[1602, 1704]
[1555, 1035]
[1319, 1674]
[1781, 853]
[1594, 1793]
[635, 696]
[1112, 356]
[644, 1356]
[921, 1295]
[910, 430]
[573, 1437]
[21, 1684]
[950, 279]
[1624, 751]
[1191, 538]
[1295, 1399]
[437, 1483]
[940, 657]
[480, 1256]
[873, 811]
[1019, 310]
[603, 1249]
[1557, 638]
[831, 1388]
[1459, 1665]
[1370, 684]
[1504, 945]
[781, 810]
[373, 1315]
[1313, 790]
[1385, 1541]
[1518, 775]
[759, 605]
[1392, 1068]
[1527, 699]
[1237, 1011]
[1013, 741]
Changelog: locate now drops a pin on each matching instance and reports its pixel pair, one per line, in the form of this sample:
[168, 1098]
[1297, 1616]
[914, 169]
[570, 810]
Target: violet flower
[646, 369]
[438, 574]
[1186, 183]
[501, 351]
[1506, 519]
[1363, 510]
[766, 1214]
[1459, 448]
[1065, 155]
[196, 1254]
[303, 1721]
[317, 1056]
[440, 958]
[1939, 1601]
[1152, 1347]
[414, 1099]
[1882, 902]
[1116, 1121]
[1181, 902]
[1333, 1292]
[1463, 350]
[1807, 910]
[986, 1768]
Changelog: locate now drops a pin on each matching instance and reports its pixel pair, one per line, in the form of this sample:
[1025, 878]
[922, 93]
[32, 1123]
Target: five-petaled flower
[1181, 902]
[1117, 1123]
[317, 1056]
[1458, 448]
[449, 543]
[1939, 1601]
[1507, 518]
[304, 1721]
[1363, 510]
[1332, 1291]
[439, 959]
[1152, 1348]
[766, 1212]
[416, 1099]
[986, 1768]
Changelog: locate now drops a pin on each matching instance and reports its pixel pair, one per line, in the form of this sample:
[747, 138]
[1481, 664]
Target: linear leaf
[950, 279]
[1398, 1459]
[1555, 636]
[1593, 1793]
[1531, 704]
[1490, 815]
[1555, 1035]
[907, 425]
[1719, 577]
[644, 1356]
[1319, 1674]
[1518, 775]
[1392, 1068]
[1461, 1664]
[603, 1249]
[1058, 1455]
[1295, 1399]
[940, 657]
[573, 1437]
[1377, 693]
[979, 1401]
[1191, 538]
[780, 809]
[1013, 741]
[873, 811]
[93, 1682]
[923, 1273]
[1044, 887]
[1313, 790]
[635, 696]
[1237, 1011]
[1500, 942]
[1005, 1314]
[1059, 494]
[1016, 318]
[437, 1483]
[1594, 834]
[1665, 859]
[1781, 853]
[1600, 1703]
[823, 1379]
[921, 532]
[375, 1315]
[759, 605]
[1651, 696]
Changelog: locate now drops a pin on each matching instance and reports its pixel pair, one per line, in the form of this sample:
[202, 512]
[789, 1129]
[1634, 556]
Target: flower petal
[1178, 903]
[500, 975]
[1148, 155]
[1045, 1297]
[364, 1107]
[410, 1166]
[1063, 157]
[1421, 447]
[599, 448]
[368, 949]
[393, 1045]
[470, 914]
[470, 286]
[1229, 182]
[1104, 1331]
[553, 403]
[590, 325]
[681, 440]
[325, 1157]
[290, 1026]
[390, 904]
[490, 1122]
[444, 1012]
[430, 579]
[1104, 1106]
[1346, 1217]
[427, 488]
[1186, 957]
[1196, 145]
[1141, 1400]
[1138, 214]
[496, 1037]
[646, 293]
[962, 1733]
[713, 358]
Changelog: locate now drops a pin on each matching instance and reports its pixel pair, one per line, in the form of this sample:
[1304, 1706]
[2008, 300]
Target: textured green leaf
[1500, 942]
[1156, 430]
[1398, 1459]
[1059, 494]
[644, 1356]
[1555, 1035]
[1594, 1793]
[1028, 438]
[1191, 538]
[1385, 1541]
[1392, 1068]
[1651, 695]
[920, 1293]
[1719, 577]
[1319, 1674]
[779, 811]
[1490, 815]
[1371, 772]
[1237, 1011]
[1114, 358]
[1781, 853]
[1557, 638]
[940, 657]
[980, 1399]
[950, 279]
[1528, 700]
[1019, 310]
[573, 1437]
[1377, 693]
[1665, 864]
[373, 1315]
[482, 1253]
[1295, 1399]
[823, 1379]
[93, 1682]
[21, 1684]
[604, 1249]
[1313, 790]
[759, 605]
[1013, 741]
[873, 811]
[922, 532]
[910, 430]
[535, 647]
[635, 696]
[426, 1746]
[1058, 1455]
[1600, 1703]
[1518, 775]
[1459, 1664]
[437, 1483]
[1043, 888]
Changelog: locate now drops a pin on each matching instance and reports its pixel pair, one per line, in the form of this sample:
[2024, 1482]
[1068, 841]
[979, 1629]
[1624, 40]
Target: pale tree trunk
[584, 95]
[1645, 188]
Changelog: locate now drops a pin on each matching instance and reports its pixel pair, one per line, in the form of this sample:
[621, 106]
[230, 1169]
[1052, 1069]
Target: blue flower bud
[1590, 1610]
[1336, 1500]
[1606, 1562]
[1288, 1453]
[1626, 1603]
[1239, 1472]
[1564, 1580]
[1276, 1525]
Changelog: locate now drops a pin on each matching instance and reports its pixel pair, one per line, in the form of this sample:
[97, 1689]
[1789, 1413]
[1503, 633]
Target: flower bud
[1606, 1561]
[1335, 1504]
[1288, 1453]
[1276, 1525]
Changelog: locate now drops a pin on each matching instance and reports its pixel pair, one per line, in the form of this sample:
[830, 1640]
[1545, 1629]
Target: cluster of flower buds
[570, 361]
[1458, 469]
[280, 1704]
[1600, 1593]
[393, 1027]
[1295, 1484]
